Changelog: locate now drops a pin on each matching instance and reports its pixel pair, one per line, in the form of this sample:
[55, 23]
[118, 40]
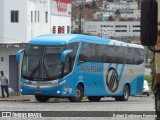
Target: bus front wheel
[41, 98]
[79, 95]
[94, 98]
[125, 95]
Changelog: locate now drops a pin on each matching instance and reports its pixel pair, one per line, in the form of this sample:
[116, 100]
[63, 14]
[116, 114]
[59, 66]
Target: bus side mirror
[64, 54]
[149, 19]
[18, 55]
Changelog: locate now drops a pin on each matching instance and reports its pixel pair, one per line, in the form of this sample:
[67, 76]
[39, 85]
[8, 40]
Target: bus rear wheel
[94, 98]
[79, 95]
[41, 98]
[125, 95]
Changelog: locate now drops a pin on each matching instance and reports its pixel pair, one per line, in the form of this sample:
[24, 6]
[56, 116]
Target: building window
[63, 29]
[68, 29]
[136, 30]
[35, 16]
[120, 30]
[38, 16]
[2, 59]
[31, 16]
[46, 17]
[54, 29]
[59, 29]
[15, 16]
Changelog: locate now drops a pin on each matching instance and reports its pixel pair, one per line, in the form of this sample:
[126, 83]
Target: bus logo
[42, 74]
[112, 80]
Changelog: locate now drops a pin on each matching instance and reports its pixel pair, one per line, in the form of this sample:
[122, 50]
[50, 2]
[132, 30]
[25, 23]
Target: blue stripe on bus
[122, 70]
[109, 65]
[116, 66]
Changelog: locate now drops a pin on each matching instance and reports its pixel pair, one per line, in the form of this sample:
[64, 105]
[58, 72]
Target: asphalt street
[108, 105]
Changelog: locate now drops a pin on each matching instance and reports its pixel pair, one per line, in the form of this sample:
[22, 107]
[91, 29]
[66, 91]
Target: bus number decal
[85, 68]
[112, 80]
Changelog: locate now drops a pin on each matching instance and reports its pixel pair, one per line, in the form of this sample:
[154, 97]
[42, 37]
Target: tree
[117, 12]
[94, 5]
[110, 17]
[109, 0]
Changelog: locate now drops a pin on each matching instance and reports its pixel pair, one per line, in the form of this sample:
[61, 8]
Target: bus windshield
[42, 62]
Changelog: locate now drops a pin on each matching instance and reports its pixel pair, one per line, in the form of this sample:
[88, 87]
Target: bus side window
[83, 53]
[130, 58]
[109, 54]
[71, 57]
[86, 53]
[120, 57]
[141, 55]
[137, 56]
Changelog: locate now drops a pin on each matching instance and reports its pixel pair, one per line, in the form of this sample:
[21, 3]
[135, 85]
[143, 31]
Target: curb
[15, 100]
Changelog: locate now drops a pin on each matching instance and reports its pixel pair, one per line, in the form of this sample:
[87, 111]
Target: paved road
[147, 71]
[138, 103]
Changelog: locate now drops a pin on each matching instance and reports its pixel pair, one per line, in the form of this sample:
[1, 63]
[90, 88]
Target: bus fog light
[58, 92]
[21, 90]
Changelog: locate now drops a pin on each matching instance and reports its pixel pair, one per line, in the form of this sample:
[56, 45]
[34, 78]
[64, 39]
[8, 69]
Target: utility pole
[157, 55]
[79, 19]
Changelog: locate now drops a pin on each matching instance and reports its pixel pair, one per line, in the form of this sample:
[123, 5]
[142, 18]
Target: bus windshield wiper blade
[46, 72]
[35, 69]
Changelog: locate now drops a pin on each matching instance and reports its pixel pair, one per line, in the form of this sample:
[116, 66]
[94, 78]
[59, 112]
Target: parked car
[146, 89]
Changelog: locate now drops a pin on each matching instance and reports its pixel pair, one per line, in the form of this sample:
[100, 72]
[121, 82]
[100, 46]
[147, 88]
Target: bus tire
[125, 95]
[41, 98]
[79, 95]
[94, 98]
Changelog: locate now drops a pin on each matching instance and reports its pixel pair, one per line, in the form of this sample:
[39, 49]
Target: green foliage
[110, 17]
[76, 31]
[94, 5]
[109, 0]
[86, 34]
[117, 12]
[148, 78]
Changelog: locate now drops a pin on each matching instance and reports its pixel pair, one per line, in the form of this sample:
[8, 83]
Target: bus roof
[62, 39]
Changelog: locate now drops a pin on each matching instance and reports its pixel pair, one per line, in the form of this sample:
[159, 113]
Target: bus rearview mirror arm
[64, 54]
[18, 55]
[63, 58]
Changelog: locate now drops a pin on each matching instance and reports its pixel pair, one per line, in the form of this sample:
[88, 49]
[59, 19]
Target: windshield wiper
[46, 72]
[35, 69]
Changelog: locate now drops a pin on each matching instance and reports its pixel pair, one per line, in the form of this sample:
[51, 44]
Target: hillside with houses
[118, 19]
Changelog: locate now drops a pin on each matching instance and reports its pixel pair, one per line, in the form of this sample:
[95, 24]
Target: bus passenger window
[84, 53]
[130, 58]
[120, 58]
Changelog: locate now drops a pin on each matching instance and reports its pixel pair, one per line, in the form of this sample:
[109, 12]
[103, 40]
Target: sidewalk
[18, 98]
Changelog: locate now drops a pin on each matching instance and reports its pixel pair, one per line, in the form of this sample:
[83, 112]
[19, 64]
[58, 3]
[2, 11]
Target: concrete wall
[5, 53]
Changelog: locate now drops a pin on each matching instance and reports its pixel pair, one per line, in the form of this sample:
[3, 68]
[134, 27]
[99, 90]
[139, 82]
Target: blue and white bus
[73, 66]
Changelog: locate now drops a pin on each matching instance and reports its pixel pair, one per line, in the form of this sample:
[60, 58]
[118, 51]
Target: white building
[22, 20]
[117, 29]
[103, 13]
[124, 13]
[121, 5]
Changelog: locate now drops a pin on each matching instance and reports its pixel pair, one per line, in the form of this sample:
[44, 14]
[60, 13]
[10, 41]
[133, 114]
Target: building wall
[1, 20]
[60, 16]
[122, 5]
[5, 53]
[113, 28]
[38, 24]
[60, 21]
[15, 32]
